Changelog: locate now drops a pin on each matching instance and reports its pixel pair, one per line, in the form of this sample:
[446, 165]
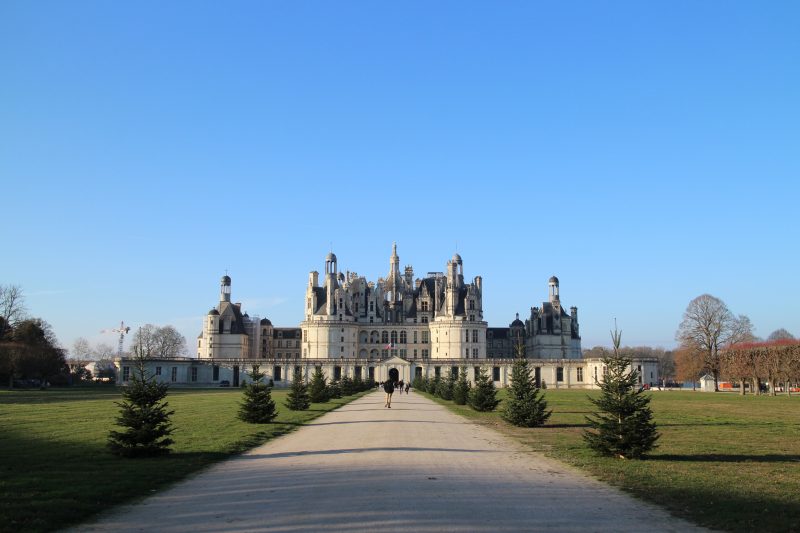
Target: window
[466, 336]
[424, 353]
[424, 337]
[394, 352]
[403, 339]
[560, 373]
[472, 305]
[372, 372]
[296, 344]
[357, 373]
[474, 335]
[472, 318]
[394, 338]
[174, 373]
[126, 373]
[424, 320]
[418, 372]
[158, 371]
[477, 371]
[437, 371]
[415, 337]
[475, 353]
[496, 373]
[424, 306]
[337, 372]
[415, 354]
[298, 370]
[372, 307]
[215, 373]
[454, 371]
[466, 352]
[385, 337]
[595, 373]
[403, 353]
[579, 373]
[384, 353]
[194, 373]
[276, 373]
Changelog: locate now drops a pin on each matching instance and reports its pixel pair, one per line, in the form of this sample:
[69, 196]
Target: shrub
[298, 399]
[258, 406]
[483, 397]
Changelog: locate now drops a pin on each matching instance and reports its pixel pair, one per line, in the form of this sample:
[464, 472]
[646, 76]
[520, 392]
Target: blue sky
[643, 152]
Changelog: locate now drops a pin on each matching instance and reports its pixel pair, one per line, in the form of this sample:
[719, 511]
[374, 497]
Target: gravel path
[415, 467]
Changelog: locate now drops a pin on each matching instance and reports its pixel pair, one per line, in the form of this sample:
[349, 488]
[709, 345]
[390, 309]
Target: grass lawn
[723, 461]
[55, 470]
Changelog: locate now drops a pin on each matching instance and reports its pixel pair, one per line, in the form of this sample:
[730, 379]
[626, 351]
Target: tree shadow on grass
[726, 458]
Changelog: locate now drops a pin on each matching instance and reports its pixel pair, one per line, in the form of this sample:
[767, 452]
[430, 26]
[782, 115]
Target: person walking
[388, 388]
[408, 386]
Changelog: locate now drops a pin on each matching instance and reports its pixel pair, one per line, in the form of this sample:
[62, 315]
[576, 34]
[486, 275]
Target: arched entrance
[394, 375]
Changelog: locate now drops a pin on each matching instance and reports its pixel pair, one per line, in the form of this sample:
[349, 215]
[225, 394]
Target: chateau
[398, 327]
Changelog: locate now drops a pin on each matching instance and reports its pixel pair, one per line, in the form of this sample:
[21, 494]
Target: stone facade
[410, 326]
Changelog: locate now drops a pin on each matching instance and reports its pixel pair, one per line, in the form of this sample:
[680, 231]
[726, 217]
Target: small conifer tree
[526, 405]
[258, 406]
[445, 387]
[143, 414]
[348, 388]
[297, 399]
[461, 388]
[623, 426]
[318, 387]
[483, 397]
[433, 385]
[334, 389]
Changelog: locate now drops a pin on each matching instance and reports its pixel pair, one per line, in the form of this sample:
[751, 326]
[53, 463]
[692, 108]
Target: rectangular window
[580, 373]
[215, 373]
[126, 373]
[418, 372]
[474, 335]
[424, 353]
[476, 371]
[372, 372]
[194, 373]
[466, 352]
[475, 353]
[424, 320]
[298, 370]
[415, 354]
[424, 337]
[394, 352]
[357, 373]
[337, 372]
[560, 373]
[454, 371]
[158, 371]
[174, 373]
[384, 354]
[437, 371]
[276, 373]
[403, 353]
[496, 373]
[466, 336]
[415, 337]
[471, 305]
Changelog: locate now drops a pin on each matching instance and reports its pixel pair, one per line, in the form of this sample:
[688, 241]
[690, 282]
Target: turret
[553, 286]
[225, 289]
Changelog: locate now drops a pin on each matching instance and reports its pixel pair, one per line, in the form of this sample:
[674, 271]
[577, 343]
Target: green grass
[723, 461]
[55, 470]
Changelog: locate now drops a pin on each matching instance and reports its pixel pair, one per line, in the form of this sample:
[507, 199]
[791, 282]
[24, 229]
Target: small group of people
[389, 388]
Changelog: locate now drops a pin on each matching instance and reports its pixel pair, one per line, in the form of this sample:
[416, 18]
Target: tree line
[713, 340]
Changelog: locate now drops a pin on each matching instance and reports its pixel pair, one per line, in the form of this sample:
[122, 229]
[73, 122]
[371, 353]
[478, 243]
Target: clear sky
[643, 152]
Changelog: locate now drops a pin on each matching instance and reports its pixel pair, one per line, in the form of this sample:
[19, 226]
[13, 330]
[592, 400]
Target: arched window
[385, 337]
[403, 337]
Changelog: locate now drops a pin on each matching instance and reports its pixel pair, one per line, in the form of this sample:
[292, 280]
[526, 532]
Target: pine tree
[334, 390]
[318, 387]
[525, 407]
[483, 397]
[445, 387]
[297, 399]
[461, 388]
[258, 406]
[623, 426]
[348, 388]
[144, 414]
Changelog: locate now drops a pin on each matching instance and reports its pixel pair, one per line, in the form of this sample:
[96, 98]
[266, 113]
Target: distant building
[397, 327]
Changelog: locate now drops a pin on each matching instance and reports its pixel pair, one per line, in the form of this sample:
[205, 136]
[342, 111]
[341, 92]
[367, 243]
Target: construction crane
[122, 330]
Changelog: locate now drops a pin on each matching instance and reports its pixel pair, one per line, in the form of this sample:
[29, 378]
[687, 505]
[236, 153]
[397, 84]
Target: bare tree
[780, 334]
[12, 307]
[153, 341]
[81, 349]
[707, 326]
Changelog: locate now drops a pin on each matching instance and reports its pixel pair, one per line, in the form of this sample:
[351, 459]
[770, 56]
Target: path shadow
[360, 450]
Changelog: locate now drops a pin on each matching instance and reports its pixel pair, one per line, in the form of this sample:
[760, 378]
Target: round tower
[553, 285]
[225, 289]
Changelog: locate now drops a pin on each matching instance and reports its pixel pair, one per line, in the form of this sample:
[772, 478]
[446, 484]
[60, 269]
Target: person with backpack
[388, 388]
